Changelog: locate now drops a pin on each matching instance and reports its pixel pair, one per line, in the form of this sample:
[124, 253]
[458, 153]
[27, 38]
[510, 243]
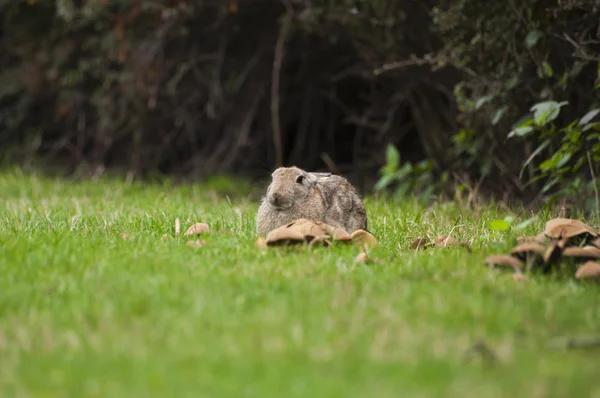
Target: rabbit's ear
[319, 176]
[310, 179]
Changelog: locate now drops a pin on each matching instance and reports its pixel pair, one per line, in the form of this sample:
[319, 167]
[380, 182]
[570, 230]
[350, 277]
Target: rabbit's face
[290, 186]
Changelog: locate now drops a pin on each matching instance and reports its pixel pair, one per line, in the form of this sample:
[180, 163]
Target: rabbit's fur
[295, 193]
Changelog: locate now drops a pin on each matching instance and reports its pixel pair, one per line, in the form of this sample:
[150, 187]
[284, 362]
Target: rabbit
[295, 193]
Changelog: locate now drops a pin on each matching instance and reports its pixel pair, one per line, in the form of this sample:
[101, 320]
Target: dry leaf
[419, 243]
[125, 236]
[362, 237]
[197, 229]
[177, 226]
[444, 241]
[505, 261]
[361, 258]
[165, 236]
[558, 228]
[589, 270]
[447, 241]
[195, 243]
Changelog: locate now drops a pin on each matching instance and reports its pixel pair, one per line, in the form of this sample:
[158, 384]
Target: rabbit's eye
[300, 179]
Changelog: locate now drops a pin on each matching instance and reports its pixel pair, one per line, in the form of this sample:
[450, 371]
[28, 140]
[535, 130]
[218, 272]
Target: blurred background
[461, 98]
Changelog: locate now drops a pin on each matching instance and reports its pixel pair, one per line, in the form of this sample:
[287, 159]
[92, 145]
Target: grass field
[86, 313]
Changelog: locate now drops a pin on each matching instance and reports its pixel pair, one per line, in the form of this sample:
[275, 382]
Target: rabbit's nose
[275, 197]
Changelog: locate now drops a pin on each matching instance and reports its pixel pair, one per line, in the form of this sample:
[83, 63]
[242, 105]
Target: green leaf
[500, 225]
[403, 171]
[498, 115]
[383, 182]
[547, 111]
[590, 126]
[512, 83]
[593, 136]
[523, 225]
[566, 157]
[520, 132]
[392, 157]
[588, 116]
[550, 184]
[537, 151]
[547, 164]
[483, 100]
[547, 69]
[532, 38]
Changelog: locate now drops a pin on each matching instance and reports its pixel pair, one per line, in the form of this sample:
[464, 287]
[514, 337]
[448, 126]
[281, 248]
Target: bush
[200, 87]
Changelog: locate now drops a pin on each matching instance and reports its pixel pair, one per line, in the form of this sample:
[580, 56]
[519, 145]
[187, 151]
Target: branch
[279, 50]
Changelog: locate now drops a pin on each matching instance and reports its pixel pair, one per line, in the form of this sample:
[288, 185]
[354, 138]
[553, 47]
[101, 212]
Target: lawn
[86, 313]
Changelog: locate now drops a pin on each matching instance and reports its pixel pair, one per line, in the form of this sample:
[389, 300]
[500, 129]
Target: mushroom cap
[529, 247]
[589, 270]
[584, 252]
[567, 228]
[197, 229]
[360, 236]
[503, 260]
[337, 233]
[289, 233]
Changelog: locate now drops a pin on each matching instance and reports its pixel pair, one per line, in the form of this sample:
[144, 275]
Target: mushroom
[287, 234]
[527, 251]
[197, 229]
[504, 261]
[589, 270]
[586, 252]
[363, 237]
[558, 228]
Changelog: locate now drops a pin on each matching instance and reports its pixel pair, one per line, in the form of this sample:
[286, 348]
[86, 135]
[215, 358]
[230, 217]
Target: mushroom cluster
[314, 233]
[564, 244]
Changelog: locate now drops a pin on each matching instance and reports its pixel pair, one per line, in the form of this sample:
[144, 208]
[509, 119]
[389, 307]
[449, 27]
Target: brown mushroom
[311, 230]
[554, 251]
[261, 243]
[362, 237]
[586, 252]
[336, 233]
[567, 228]
[589, 270]
[527, 251]
[504, 261]
[285, 235]
[197, 229]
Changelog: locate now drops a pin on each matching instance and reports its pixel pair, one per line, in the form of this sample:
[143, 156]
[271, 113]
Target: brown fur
[317, 197]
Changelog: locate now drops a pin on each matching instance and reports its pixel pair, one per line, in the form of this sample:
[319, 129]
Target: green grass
[85, 313]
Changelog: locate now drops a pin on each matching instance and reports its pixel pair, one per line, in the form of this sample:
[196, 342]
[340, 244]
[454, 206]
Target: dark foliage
[199, 87]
